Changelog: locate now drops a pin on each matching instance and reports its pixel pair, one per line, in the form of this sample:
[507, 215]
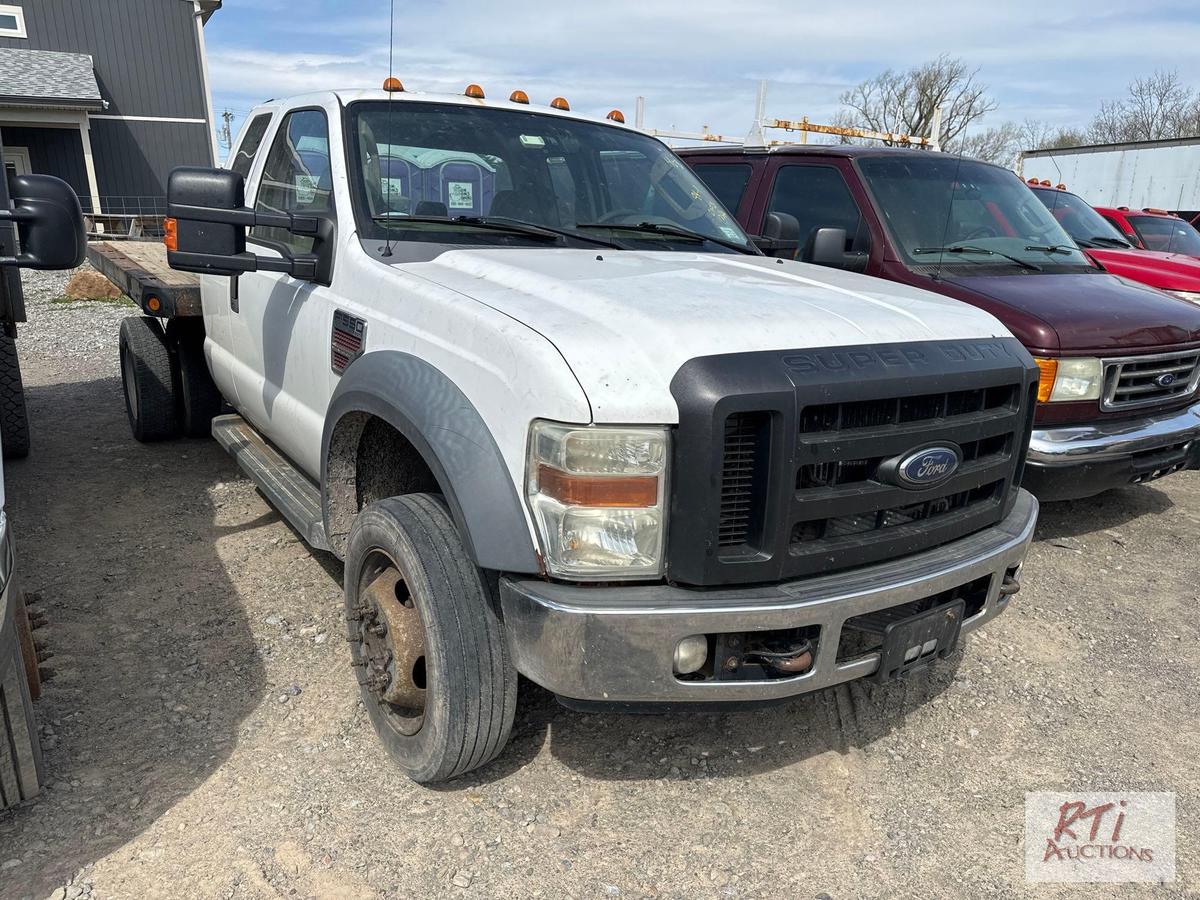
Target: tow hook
[789, 660]
[1010, 585]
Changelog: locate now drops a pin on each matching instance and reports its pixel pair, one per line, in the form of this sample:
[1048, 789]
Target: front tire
[14, 418]
[148, 376]
[426, 643]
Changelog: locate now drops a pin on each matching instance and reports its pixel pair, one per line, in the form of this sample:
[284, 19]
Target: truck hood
[1166, 271]
[1083, 312]
[625, 321]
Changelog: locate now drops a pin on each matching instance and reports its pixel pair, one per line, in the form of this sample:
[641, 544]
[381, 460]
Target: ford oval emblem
[1165, 380]
[928, 466]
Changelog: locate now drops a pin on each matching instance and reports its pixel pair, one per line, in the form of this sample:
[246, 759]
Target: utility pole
[225, 136]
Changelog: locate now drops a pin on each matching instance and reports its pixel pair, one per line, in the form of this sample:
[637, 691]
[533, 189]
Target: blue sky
[699, 62]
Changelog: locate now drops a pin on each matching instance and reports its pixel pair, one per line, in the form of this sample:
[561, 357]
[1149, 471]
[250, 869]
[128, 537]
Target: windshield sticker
[730, 233]
[460, 194]
[306, 188]
[532, 140]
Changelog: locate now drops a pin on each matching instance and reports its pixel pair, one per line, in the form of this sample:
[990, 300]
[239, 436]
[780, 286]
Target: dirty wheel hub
[392, 647]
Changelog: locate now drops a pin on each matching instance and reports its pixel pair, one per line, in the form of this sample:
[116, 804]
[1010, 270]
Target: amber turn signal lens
[392, 85]
[171, 234]
[608, 491]
[518, 97]
[153, 304]
[474, 91]
[1049, 371]
[560, 103]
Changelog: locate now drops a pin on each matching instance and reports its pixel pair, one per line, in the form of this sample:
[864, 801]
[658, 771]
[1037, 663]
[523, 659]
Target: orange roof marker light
[1034, 182]
[392, 85]
[474, 91]
[518, 97]
[1045, 182]
[171, 234]
[616, 116]
[1060, 186]
[560, 103]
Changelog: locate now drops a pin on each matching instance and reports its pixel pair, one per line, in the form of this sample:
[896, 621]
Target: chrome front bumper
[1110, 441]
[615, 644]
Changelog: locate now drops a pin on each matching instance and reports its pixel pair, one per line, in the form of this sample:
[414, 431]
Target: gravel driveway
[205, 739]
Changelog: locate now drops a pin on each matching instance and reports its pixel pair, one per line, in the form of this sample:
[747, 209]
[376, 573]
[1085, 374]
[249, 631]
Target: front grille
[779, 458]
[1138, 381]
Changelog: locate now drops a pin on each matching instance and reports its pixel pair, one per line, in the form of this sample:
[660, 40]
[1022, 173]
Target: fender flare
[445, 428]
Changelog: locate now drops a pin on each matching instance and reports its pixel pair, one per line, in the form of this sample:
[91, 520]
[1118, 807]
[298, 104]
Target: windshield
[1084, 224]
[1166, 233]
[992, 211]
[438, 163]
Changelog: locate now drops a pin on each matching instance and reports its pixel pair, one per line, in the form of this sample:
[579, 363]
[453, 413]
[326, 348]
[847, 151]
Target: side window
[296, 177]
[818, 197]
[244, 158]
[727, 180]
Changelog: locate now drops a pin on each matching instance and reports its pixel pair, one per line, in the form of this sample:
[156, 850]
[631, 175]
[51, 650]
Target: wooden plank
[140, 269]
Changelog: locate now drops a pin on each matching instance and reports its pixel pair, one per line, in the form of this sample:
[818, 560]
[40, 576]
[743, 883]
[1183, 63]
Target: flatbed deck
[140, 269]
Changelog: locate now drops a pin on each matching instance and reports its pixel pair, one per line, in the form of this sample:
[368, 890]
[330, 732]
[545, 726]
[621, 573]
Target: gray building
[108, 95]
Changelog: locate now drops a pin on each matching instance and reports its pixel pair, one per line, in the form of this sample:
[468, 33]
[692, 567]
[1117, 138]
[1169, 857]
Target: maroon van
[1120, 362]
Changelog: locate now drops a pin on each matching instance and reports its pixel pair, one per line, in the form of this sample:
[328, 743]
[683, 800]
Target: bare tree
[1158, 106]
[904, 102]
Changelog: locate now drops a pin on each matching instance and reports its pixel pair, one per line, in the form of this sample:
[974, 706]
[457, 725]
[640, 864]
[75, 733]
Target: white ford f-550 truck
[528, 379]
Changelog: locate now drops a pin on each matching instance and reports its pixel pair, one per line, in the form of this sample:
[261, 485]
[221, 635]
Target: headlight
[1190, 296]
[1069, 379]
[597, 496]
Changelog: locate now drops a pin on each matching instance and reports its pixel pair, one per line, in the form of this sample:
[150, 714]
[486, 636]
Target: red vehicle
[1119, 399]
[1177, 272]
[1154, 229]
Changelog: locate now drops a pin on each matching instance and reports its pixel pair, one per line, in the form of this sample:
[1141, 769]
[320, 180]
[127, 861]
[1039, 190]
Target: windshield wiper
[1052, 248]
[673, 230]
[1104, 241]
[967, 248]
[510, 226]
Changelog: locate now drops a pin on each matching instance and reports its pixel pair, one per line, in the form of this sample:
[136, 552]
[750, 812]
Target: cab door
[281, 325]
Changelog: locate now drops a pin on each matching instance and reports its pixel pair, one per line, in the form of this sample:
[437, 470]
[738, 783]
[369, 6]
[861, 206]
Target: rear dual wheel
[425, 641]
[168, 388]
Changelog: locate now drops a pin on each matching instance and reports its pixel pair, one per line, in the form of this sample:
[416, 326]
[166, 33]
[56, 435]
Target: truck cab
[1100, 239]
[527, 377]
[1120, 362]
[1154, 230]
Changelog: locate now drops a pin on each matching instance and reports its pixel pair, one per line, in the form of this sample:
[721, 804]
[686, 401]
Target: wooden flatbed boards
[140, 269]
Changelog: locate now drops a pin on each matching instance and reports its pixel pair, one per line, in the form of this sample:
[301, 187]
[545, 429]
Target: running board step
[287, 488]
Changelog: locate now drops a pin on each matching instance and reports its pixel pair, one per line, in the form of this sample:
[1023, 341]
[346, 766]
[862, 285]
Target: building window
[12, 22]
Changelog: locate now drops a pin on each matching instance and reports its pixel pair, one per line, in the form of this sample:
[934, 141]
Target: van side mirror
[781, 235]
[210, 221]
[827, 247]
[49, 223]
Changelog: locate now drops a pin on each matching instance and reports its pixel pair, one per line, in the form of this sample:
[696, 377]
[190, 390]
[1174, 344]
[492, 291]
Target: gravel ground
[204, 736]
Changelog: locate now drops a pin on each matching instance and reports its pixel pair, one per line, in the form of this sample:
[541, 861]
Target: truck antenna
[937, 272]
[387, 191]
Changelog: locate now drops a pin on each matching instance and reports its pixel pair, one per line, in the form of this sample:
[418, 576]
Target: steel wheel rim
[388, 641]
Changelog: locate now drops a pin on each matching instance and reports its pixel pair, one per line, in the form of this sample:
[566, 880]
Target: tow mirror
[827, 247]
[781, 235]
[210, 216]
[49, 223]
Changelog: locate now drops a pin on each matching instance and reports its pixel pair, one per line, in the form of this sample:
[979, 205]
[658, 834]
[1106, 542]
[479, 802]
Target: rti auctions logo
[1100, 837]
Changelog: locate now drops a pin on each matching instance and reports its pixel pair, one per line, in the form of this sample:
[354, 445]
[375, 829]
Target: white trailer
[1140, 174]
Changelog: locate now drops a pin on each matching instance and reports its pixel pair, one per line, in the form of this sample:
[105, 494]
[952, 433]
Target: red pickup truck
[1154, 229]
[1120, 362]
[1172, 272]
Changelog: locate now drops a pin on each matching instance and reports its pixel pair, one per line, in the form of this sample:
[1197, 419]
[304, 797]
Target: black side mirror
[827, 247]
[781, 235]
[49, 223]
[211, 218]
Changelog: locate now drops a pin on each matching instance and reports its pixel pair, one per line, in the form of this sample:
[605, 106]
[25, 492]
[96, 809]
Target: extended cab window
[727, 180]
[818, 197]
[296, 177]
[243, 159]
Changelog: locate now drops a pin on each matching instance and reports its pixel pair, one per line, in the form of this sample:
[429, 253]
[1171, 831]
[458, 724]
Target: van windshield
[460, 174]
[982, 214]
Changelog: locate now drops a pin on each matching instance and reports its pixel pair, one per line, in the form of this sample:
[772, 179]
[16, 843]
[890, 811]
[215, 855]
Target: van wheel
[14, 419]
[149, 380]
[200, 400]
[425, 642]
